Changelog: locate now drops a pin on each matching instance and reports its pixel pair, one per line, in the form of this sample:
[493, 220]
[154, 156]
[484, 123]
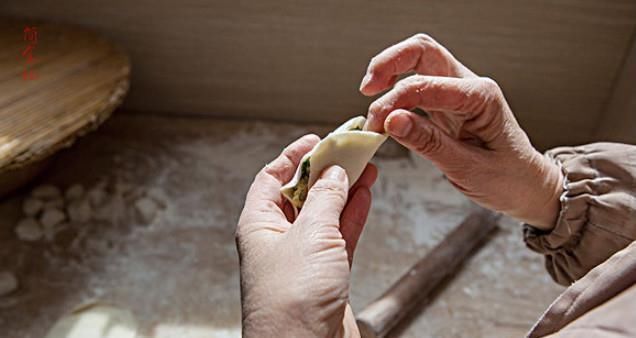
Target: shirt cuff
[598, 210]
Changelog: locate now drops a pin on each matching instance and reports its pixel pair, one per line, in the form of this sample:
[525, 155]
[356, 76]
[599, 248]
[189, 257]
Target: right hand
[295, 271]
[471, 134]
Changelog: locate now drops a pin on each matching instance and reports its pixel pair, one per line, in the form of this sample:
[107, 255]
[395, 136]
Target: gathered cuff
[598, 209]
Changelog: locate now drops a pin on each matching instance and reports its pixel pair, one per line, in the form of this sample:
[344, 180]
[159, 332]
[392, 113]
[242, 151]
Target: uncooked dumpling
[349, 146]
[95, 320]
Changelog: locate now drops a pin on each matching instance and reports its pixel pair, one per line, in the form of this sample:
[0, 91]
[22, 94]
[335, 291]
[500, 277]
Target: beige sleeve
[613, 318]
[598, 209]
[601, 304]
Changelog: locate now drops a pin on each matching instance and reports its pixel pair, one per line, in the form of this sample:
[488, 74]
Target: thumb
[419, 134]
[326, 199]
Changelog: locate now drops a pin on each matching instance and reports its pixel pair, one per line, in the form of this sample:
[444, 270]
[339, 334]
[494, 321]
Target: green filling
[302, 188]
[300, 192]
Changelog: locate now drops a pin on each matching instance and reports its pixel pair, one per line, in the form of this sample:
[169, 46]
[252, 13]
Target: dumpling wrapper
[348, 146]
[95, 320]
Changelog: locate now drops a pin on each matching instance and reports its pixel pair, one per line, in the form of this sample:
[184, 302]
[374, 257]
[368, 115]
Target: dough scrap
[32, 206]
[8, 283]
[56, 203]
[29, 230]
[158, 195]
[52, 217]
[97, 197]
[79, 211]
[349, 146]
[95, 320]
[46, 192]
[146, 209]
[74, 192]
[50, 233]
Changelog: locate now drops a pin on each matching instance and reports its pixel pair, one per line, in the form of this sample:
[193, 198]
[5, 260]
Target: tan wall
[303, 60]
[619, 120]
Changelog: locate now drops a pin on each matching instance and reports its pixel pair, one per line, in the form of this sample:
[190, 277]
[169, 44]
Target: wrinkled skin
[295, 272]
[471, 134]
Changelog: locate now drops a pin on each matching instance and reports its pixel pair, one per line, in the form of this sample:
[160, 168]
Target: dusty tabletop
[152, 230]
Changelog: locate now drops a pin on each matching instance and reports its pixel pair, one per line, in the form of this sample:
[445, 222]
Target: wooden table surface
[179, 274]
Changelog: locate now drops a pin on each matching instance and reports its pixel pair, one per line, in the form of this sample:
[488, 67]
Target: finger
[425, 138]
[325, 199]
[284, 166]
[264, 201]
[419, 53]
[288, 210]
[353, 218]
[464, 98]
[366, 180]
[368, 177]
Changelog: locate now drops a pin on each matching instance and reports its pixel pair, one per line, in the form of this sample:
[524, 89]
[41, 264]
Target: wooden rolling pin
[418, 283]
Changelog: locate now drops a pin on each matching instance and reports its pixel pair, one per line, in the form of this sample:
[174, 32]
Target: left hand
[470, 132]
[295, 272]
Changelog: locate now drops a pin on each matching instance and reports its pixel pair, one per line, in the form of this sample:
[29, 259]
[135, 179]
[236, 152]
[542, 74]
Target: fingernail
[365, 80]
[399, 125]
[335, 173]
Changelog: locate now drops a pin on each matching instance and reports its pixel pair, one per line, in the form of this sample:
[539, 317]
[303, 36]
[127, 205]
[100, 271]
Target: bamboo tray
[71, 85]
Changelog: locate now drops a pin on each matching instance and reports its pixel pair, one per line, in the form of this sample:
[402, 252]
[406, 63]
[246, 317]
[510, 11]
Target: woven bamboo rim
[81, 79]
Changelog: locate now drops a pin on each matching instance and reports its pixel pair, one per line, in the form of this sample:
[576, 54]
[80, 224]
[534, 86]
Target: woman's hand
[295, 273]
[470, 133]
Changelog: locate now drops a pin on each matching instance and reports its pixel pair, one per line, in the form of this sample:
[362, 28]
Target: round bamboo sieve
[57, 82]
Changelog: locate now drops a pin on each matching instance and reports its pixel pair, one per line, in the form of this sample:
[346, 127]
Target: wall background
[557, 60]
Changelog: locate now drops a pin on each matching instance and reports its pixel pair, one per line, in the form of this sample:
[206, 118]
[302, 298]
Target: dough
[46, 192]
[8, 283]
[146, 209]
[49, 233]
[158, 195]
[95, 320]
[97, 196]
[52, 217]
[32, 206]
[348, 146]
[28, 229]
[74, 192]
[56, 203]
[79, 211]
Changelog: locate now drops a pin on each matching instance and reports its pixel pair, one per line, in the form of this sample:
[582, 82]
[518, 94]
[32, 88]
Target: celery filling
[300, 191]
[299, 194]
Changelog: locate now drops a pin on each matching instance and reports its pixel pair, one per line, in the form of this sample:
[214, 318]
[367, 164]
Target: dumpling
[348, 146]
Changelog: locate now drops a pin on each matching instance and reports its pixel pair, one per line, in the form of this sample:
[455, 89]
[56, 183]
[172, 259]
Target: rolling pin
[419, 282]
